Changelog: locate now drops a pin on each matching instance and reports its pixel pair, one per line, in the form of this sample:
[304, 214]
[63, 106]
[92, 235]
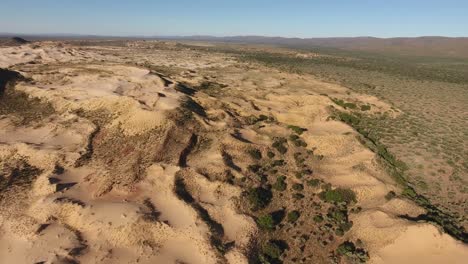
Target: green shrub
[365, 107]
[279, 162]
[294, 137]
[297, 130]
[297, 141]
[293, 216]
[338, 195]
[349, 119]
[344, 104]
[299, 175]
[259, 197]
[345, 248]
[339, 232]
[262, 118]
[357, 255]
[272, 250]
[270, 154]
[318, 219]
[266, 222]
[280, 184]
[298, 196]
[255, 153]
[313, 182]
[409, 192]
[254, 168]
[350, 105]
[337, 216]
[298, 187]
[279, 145]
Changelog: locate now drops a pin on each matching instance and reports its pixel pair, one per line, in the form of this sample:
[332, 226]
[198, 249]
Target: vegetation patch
[259, 197]
[297, 141]
[279, 145]
[297, 130]
[344, 104]
[266, 222]
[24, 108]
[21, 175]
[348, 250]
[338, 195]
[293, 216]
[280, 184]
[255, 153]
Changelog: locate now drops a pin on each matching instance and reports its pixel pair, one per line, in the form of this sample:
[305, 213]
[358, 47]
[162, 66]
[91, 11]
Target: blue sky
[289, 18]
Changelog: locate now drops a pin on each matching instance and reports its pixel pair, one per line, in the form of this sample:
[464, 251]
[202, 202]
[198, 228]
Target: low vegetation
[338, 195]
[259, 197]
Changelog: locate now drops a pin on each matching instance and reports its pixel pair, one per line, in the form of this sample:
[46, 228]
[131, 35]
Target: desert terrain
[166, 152]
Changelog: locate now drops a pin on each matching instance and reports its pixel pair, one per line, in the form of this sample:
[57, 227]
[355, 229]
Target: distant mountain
[19, 40]
[436, 46]
[13, 41]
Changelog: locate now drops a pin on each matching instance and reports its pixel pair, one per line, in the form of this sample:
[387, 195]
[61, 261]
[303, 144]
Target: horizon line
[210, 36]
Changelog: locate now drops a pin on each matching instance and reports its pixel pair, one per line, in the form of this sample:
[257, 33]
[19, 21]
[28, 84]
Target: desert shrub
[278, 216]
[358, 255]
[390, 195]
[365, 107]
[255, 153]
[254, 168]
[349, 119]
[346, 226]
[272, 250]
[318, 219]
[299, 174]
[259, 197]
[339, 232]
[337, 216]
[266, 222]
[252, 120]
[298, 158]
[297, 130]
[293, 216]
[298, 196]
[350, 105]
[58, 169]
[297, 141]
[279, 162]
[298, 187]
[262, 118]
[409, 192]
[338, 195]
[345, 248]
[294, 137]
[313, 182]
[279, 145]
[280, 184]
[270, 154]
[344, 104]
[20, 176]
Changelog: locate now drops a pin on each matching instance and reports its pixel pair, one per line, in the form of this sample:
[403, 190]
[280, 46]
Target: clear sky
[289, 18]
